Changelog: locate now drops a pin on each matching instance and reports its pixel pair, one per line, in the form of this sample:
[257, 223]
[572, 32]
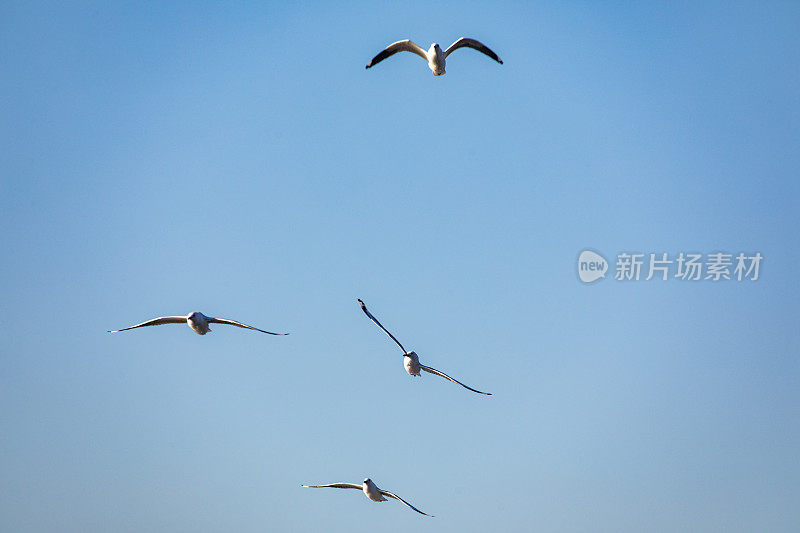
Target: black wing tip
[499, 60]
[361, 302]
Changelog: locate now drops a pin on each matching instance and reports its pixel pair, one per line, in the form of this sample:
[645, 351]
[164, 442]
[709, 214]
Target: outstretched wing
[399, 46]
[445, 376]
[396, 497]
[471, 43]
[155, 322]
[335, 486]
[364, 308]
[239, 324]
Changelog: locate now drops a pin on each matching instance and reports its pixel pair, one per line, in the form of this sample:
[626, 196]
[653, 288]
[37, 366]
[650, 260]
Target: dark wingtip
[499, 60]
[360, 301]
[368, 65]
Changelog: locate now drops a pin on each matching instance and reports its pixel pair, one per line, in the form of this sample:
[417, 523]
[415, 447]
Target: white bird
[197, 321]
[370, 489]
[434, 56]
[411, 360]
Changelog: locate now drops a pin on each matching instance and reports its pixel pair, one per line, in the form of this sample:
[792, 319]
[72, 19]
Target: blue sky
[238, 160]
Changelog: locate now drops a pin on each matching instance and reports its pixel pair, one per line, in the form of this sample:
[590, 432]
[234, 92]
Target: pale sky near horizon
[238, 160]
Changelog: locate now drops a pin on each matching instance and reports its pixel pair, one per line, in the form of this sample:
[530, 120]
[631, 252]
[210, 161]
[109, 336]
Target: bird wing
[335, 486]
[471, 43]
[239, 324]
[445, 376]
[155, 322]
[396, 497]
[364, 308]
[399, 46]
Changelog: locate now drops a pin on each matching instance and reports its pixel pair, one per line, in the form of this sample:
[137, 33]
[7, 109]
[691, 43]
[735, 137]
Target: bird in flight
[370, 490]
[197, 321]
[434, 56]
[411, 360]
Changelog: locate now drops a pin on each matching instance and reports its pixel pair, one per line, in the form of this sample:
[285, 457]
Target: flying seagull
[410, 359]
[434, 56]
[197, 321]
[370, 490]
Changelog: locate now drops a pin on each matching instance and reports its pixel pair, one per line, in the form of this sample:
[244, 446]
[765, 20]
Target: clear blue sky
[238, 160]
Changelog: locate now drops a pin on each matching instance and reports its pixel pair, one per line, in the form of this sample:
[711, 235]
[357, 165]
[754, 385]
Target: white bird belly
[436, 59]
[411, 364]
[198, 324]
[372, 492]
[375, 495]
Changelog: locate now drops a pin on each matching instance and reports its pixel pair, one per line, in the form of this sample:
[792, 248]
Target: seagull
[434, 56]
[370, 489]
[197, 321]
[411, 360]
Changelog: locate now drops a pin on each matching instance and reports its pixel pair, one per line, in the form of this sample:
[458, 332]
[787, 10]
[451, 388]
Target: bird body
[198, 322]
[411, 363]
[435, 57]
[436, 60]
[372, 491]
